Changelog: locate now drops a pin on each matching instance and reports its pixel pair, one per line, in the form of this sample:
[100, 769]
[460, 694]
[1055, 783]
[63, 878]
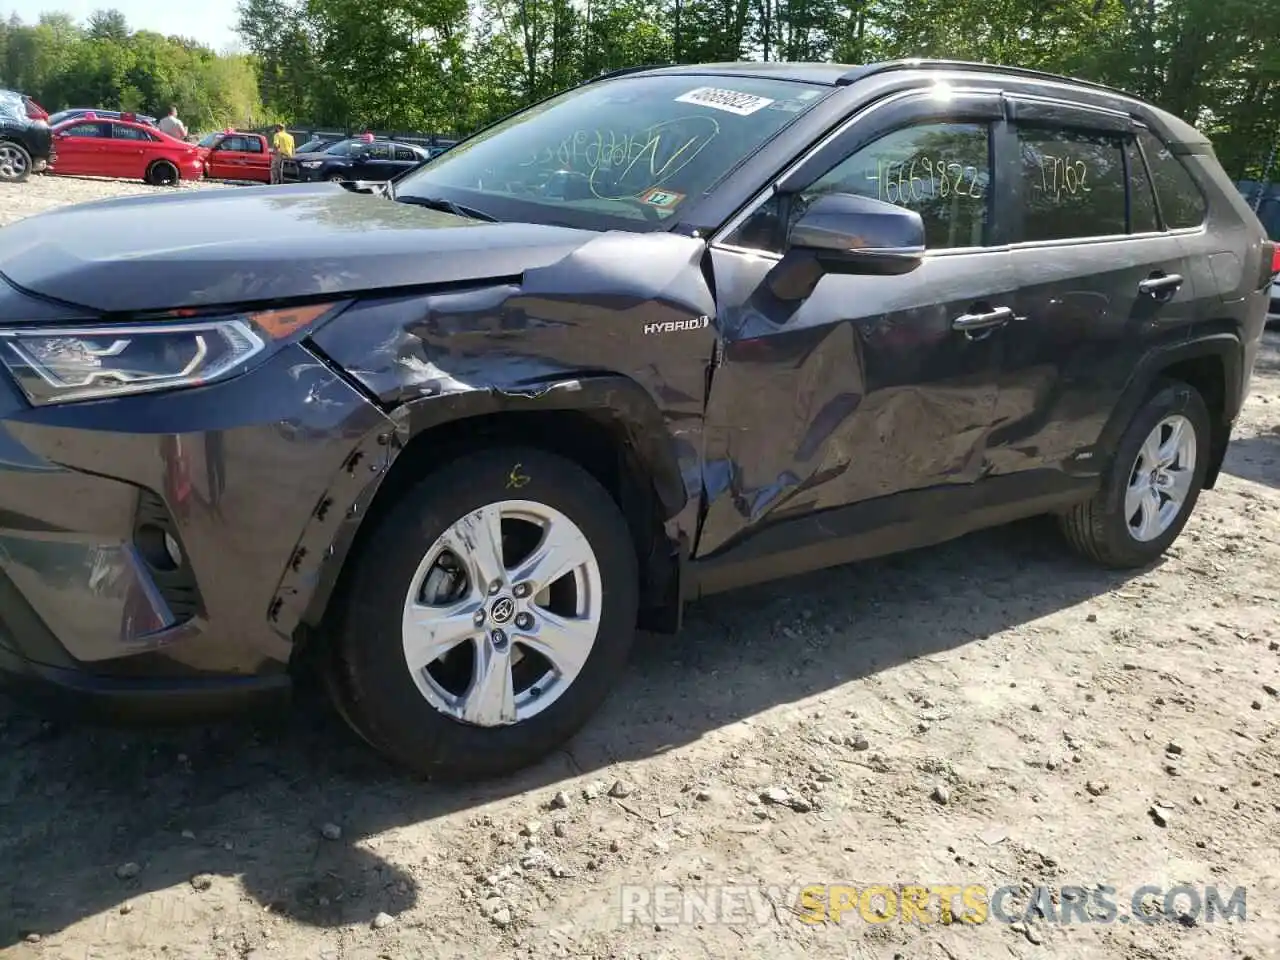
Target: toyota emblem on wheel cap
[502, 609]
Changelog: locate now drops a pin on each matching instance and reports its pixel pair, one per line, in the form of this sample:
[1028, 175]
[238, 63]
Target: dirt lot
[992, 712]
[41, 193]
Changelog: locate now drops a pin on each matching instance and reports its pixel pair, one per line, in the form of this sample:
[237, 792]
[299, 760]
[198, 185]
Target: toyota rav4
[673, 331]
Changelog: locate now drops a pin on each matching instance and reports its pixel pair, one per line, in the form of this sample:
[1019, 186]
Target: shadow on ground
[1255, 458]
[255, 795]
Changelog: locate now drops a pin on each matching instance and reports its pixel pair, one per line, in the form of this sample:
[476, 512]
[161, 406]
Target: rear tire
[15, 162]
[162, 173]
[1152, 486]
[552, 650]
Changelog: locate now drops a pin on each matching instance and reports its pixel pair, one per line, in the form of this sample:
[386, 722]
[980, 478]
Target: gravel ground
[41, 193]
[991, 712]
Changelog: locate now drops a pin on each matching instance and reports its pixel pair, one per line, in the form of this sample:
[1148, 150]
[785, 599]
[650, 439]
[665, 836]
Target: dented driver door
[869, 388]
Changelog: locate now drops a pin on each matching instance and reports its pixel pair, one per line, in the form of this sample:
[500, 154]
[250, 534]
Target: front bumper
[145, 541]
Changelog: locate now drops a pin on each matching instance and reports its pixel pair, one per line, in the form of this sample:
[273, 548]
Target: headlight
[65, 364]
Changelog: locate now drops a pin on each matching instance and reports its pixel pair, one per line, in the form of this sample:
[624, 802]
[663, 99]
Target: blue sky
[211, 22]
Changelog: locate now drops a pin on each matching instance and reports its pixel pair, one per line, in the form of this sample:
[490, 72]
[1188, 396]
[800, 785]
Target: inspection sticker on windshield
[657, 197]
[730, 101]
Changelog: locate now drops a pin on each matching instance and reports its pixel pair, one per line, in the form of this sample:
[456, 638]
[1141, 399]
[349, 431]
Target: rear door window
[1073, 184]
[1181, 202]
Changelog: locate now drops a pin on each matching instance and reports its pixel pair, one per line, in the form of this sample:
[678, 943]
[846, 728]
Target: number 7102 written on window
[1059, 175]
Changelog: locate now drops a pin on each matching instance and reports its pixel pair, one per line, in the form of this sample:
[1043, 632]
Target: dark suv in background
[26, 141]
[355, 159]
[667, 333]
[1264, 198]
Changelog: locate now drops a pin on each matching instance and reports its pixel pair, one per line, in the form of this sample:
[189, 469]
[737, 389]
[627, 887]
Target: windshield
[341, 149]
[621, 154]
[210, 139]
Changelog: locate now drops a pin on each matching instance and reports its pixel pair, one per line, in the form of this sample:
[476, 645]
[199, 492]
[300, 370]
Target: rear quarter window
[1181, 202]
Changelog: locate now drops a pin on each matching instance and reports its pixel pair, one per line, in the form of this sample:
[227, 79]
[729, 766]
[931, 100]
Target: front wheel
[1153, 483]
[488, 615]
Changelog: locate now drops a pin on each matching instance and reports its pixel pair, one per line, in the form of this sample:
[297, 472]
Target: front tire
[1152, 486]
[488, 615]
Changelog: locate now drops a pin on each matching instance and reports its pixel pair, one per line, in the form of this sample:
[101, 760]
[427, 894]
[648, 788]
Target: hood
[234, 245]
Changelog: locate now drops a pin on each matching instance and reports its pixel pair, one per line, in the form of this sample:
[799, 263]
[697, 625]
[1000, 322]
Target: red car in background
[91, 147]
[232, 155]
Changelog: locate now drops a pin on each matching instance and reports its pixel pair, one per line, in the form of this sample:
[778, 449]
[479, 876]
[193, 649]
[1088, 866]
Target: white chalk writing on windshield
[635, 161]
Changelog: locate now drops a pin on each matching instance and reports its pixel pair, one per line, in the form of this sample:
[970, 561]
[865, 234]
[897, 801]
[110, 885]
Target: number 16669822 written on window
[923, 178]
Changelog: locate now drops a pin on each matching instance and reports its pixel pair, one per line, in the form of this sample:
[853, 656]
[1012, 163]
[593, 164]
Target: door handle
[969, 322]
[1160, 284]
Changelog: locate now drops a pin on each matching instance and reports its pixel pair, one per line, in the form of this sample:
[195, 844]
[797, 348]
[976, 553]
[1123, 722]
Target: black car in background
[1264, 198]
[356, 159]
[26, 144]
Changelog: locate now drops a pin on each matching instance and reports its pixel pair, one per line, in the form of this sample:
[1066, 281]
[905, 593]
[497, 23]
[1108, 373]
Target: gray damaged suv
[671, 332]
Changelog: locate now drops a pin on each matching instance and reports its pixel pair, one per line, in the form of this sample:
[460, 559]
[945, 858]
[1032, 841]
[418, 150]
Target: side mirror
[852, 234]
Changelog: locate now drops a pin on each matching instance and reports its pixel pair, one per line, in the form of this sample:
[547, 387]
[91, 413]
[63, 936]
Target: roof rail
[623, 71]
[871, 69]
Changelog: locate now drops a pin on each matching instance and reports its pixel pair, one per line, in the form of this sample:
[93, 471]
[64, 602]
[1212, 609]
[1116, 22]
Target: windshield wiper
[448, 206]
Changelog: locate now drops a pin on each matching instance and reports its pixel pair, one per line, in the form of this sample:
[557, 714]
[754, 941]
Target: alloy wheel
[1161, 478]
[502, 613]
[13, 162]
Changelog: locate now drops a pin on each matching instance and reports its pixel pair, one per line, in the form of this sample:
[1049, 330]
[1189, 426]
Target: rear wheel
[162, 173]
[489, 615]
[1153, 484]
[15, 162]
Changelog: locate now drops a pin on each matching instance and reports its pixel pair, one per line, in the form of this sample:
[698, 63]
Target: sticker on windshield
[730, 101]
[657, 197]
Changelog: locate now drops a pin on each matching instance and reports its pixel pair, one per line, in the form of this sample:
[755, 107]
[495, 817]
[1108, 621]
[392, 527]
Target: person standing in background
[171, 125]
[281, 147]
